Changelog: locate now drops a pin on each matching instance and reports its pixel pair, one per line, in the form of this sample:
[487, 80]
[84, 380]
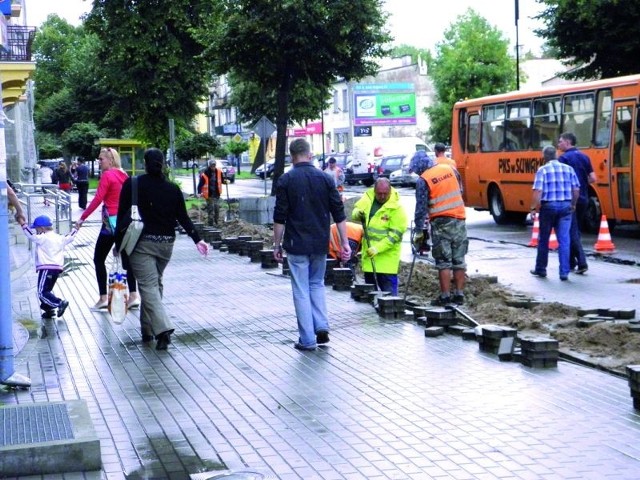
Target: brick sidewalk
[380, 402]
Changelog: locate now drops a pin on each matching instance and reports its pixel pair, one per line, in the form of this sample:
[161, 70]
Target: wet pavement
[381, 401]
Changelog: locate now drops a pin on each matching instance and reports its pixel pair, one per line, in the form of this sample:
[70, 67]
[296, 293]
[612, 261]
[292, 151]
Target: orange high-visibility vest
[354, 232]
[205, 180]
[445, 198]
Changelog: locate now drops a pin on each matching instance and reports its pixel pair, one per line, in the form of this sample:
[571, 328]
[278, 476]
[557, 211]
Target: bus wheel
[496, 207]
[593, 216]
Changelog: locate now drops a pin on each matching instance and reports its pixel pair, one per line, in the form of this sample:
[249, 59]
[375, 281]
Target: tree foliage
[196, 146]
[471, 61]
[81, 140]
[597, 36]
[295, 46]
[153, 62]
[414, 52]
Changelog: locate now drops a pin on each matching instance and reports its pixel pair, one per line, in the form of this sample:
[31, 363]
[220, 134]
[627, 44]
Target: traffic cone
[604, 243]
[535, 231]
[553, 240]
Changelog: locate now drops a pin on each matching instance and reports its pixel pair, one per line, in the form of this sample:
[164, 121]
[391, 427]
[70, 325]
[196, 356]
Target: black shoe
[564, 278]
[538, 274]
[164, 339]
[322, 337]
[62, 307]
[146, 338]
[49, 314]
[441, 301]
[458, 299]
[299, 346]
[582, 270]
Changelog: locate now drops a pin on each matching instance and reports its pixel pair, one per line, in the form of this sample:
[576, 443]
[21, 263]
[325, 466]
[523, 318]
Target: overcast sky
[416, 23]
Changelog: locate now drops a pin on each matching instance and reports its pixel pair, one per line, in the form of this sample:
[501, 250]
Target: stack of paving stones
[328, 273]
[243, 247]
[360, 291]
[211, 235]
[633, 374]
[266, 257]
[254, 247]
[492, 336]
[233, 244]
[590, 317]
[390, 306]
[539, 352]
[342, 279]
[437, 319]
[375, 295]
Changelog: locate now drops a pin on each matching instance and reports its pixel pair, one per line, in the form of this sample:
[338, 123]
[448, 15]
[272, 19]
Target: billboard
[384, 104]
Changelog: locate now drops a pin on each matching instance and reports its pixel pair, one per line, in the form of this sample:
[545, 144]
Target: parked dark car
[270, 166]
[389, 164]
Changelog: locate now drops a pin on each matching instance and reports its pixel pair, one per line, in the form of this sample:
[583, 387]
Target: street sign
[362, 131]
[264, 127]
[237, 138]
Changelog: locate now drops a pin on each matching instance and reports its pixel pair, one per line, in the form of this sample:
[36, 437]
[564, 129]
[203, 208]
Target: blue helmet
[420, 162]
[41, 221]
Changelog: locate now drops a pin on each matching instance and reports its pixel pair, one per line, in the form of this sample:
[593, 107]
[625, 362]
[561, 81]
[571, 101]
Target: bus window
[579, 116]
[546, 122]
[518, 123]
[462, 128]
[603, 125]
[622, 138]
[492, 128]
[473, 142]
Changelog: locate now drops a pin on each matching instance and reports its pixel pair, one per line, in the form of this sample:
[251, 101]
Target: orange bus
[497, 143]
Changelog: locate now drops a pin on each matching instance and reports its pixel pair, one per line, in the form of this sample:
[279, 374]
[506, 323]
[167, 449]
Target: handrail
[50, 195]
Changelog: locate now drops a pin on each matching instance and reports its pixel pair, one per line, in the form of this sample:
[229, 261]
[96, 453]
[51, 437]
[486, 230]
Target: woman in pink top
[108, 194]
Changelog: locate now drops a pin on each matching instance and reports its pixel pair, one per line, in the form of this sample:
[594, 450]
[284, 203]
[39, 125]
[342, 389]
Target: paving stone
[433, 331]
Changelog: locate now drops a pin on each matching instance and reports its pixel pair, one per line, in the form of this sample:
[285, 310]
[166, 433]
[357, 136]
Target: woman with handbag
[160, 204]
[111, 179]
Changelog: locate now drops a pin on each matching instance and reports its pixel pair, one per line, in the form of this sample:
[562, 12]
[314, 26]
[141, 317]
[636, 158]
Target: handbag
[134, 229]
[118, 292]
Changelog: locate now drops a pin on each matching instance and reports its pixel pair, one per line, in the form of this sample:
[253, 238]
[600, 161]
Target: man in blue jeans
[555, 193]
[305, 197]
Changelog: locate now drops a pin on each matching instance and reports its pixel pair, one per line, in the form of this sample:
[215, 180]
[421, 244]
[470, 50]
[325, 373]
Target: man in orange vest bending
[354, 234]
[438, 193]
[210, 187]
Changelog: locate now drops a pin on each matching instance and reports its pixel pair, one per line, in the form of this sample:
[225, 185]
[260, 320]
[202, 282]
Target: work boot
[441, 301]
[458, 299]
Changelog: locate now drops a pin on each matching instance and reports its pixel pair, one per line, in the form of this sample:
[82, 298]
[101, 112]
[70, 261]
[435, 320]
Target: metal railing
[19, 44]
[46, 199]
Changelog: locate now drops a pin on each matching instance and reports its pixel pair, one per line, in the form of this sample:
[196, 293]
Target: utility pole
[517, 12]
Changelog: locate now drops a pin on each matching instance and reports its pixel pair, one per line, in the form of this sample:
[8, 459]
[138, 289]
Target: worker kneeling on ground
[354, 234]
[384, 222]
[439, 195]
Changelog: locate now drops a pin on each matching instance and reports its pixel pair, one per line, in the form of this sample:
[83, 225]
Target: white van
[368, 151]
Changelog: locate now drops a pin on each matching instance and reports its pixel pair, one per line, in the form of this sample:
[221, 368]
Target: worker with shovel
[210, 188]
[384, 221]
[439, 195]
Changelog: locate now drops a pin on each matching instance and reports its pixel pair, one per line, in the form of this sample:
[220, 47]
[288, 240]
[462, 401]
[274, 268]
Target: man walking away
[584, 170]
[305, 198]
[82, 183]
[555, 193]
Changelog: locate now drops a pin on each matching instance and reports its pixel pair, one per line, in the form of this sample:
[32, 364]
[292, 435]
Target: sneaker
[49, 314]
[322, 337]
[582, 270]
[538, 274]
[304, 348]
[62, 307]
[458, 299]
[441, 301]
[564, 278]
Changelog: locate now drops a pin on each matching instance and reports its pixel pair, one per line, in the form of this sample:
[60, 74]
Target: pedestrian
[439, 195]
[440, 149]
[45, 173]
[336, 173]
[62, 176]
[586, 176]
[556, 189]
[82, 183]
[355, 233]
[112, 177]
[210, 187]
[384, 222]
[49, 261]
[305, 198]
[160, 204]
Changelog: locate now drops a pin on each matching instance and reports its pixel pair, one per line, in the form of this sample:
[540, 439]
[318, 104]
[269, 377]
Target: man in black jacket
[305, 197]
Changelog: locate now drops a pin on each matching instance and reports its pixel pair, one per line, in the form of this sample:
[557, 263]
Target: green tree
[599, 37]
[153, 63]
[196, 146]
[81, 140]
[471, 61]
[414, 52]
[48, 146]
[296, 46]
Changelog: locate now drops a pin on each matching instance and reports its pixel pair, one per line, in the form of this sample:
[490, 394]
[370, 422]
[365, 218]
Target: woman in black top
[160, 204]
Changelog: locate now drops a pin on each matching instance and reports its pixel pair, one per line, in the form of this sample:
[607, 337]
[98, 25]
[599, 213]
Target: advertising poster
[385, 104]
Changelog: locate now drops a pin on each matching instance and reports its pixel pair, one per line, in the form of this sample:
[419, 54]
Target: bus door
[622, 147]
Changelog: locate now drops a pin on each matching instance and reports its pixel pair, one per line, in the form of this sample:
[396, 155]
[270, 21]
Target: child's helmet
[41, 221]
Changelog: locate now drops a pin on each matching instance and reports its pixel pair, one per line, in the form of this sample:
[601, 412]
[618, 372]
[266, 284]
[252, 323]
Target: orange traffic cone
[535, 231]
[604, 243]
[553, 240]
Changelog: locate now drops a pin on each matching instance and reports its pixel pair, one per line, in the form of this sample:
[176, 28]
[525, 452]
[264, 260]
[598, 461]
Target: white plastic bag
[118, 292]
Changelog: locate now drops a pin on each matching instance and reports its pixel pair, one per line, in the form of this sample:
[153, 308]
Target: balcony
[18, 44]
